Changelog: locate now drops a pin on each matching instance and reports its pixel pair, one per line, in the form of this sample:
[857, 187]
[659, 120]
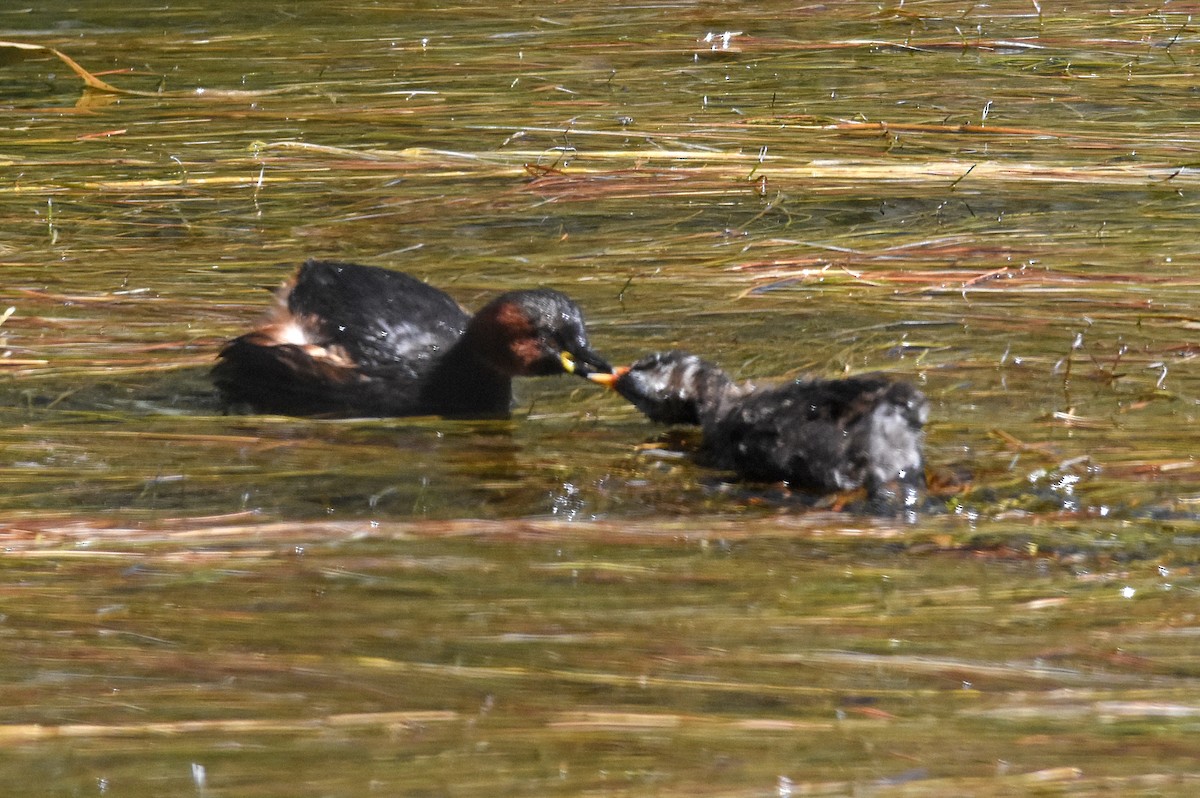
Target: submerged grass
[742, 653]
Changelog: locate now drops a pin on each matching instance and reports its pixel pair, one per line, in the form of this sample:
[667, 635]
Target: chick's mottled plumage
[817, 435]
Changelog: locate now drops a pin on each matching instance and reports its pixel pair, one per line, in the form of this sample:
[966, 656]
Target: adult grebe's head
[531, 333]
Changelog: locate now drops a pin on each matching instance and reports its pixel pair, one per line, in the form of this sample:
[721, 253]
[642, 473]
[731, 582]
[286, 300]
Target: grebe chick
[817, 435]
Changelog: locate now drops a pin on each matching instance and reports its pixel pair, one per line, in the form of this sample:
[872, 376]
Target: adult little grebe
[817, 435]
[346, 339]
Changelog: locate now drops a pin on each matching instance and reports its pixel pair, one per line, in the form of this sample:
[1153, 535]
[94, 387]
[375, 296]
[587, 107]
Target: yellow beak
[568, 362]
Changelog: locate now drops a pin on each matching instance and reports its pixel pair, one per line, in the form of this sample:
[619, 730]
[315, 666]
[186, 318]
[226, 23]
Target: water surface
[992, 201]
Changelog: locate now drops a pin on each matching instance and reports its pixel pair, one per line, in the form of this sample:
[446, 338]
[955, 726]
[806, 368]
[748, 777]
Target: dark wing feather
[377, 316]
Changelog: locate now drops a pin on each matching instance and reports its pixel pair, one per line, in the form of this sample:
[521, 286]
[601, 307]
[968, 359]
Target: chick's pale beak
[609, 380]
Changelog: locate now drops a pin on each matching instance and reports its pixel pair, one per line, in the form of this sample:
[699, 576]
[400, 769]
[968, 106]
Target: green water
[994, 202]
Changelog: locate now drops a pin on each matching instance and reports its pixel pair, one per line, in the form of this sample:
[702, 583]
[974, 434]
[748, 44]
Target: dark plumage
[817, 435]
[351, 340]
